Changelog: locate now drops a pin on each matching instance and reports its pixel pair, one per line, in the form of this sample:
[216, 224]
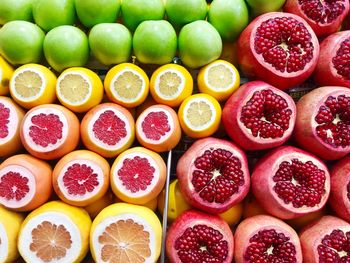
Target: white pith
[24, 172]
[209, 123]
[101, 144]
[13, 124]
[25, 238]
[96, 169]
[4, 246]
[100, 228]
[28, 123]
[142, 117]
[118, 182]
[206, 77]
[180, 88]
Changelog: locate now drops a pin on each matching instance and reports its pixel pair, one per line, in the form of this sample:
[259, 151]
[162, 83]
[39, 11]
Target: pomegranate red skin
[340, 178]
[252, 225]
[254, 67]
[191, 218]
[325, 73]
[185, 167]
[304, 131]
[312, 235]
[235, 128]
[262, 182]
[321, 30]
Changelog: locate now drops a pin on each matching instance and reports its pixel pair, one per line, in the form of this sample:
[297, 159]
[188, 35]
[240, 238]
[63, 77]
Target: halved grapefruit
[6, 71]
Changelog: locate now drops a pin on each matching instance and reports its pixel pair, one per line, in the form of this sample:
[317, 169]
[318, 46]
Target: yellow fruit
[127, 85]
[218, 79]
[79, 89]
[233, 215]
[33, 85]
[126, 233]
[170, 84]
[6, 71]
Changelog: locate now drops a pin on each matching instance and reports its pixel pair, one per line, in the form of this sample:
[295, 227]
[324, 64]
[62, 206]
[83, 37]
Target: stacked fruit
[82, 150]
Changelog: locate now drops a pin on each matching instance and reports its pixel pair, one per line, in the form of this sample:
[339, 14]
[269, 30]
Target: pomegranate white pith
[4, 249]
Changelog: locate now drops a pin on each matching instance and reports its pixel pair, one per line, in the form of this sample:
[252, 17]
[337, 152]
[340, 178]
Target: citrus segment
[171, 84]
[138, 175]
[127, 85]
[79, 89]
[200, 115]
[6, 71]
[32, 85]
[108, 129]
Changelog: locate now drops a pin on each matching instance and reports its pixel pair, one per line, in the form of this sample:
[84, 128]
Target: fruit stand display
[174, 131]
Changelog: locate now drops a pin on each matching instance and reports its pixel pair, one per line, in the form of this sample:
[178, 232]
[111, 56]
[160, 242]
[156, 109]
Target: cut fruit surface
[33, 85]
[108, 129]
[6, 71]
[79, 89]
[138, 175]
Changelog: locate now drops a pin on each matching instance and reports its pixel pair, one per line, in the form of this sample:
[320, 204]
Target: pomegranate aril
[322, 12]
[156, 125]
[342, 58]
[335, 247]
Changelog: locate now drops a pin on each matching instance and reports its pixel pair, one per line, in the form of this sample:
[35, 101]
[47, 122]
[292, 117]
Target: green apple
[65, 47]
[259, 7]
[92, 12]
[199, 44]
[15, 10]
[182, 12]
[110, 43]
[228, 17]
[136, 11]
[21, 42]
[155, 42]
[49, 14]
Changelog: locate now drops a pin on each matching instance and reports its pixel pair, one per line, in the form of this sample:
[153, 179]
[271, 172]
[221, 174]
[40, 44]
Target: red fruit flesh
[4, 121]
[323, 122]
[326, 240]
[258, 116]
[264, 238]
[155, 125]
[289, 183]
[13, 186]
[333, 67]
[213, 175]
[196, 237]
[324, 16]
[278, 48]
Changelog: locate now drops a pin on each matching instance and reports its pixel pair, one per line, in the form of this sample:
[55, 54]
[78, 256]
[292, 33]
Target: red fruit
[199, 237]
[264, 238]
[325, 17]
[326, 240]
[213, 175]
[333, 65]
[323, 122]
[259, 116]
[289, 182]
[278, 48]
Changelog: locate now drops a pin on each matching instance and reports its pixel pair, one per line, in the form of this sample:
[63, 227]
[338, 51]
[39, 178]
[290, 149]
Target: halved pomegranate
[279, 48]
[289, 182]
[326, 240]
[324, 16]
[263, 238]
[323, 122]
[333, 65]
[259, 116]
[196, 237]
[213, 175]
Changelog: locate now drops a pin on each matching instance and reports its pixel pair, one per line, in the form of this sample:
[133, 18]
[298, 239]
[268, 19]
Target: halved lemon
[200, 115]
[79, 89]
[218, 79]
[170, 84]
[33, 85]
[6, 71]
[127, 85]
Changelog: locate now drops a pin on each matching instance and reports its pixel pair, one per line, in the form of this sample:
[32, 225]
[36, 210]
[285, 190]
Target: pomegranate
[323, 122]
[326, 240]
[196, 237]
[259, 116]
[333, 66]
[289, 182]
[213, 175]
[324, 16]
[279, 48]
[263, 238]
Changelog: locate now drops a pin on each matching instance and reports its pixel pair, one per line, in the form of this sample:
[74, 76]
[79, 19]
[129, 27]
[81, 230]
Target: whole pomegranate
[213, 175]
[289, 182]
[323, 122]
[259, 116]
[278, 48]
